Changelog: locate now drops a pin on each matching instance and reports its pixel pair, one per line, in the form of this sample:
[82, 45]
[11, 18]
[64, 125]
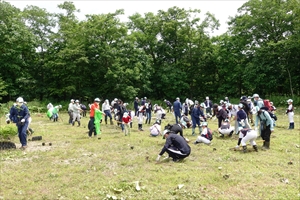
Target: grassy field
[124, 167]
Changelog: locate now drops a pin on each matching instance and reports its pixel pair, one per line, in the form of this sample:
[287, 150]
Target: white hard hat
[77, 101]
[290, 100]
[204, 124]
[97, 100]
[240, 105]
[165, 132]
[20, 100]
[72, 100]
[207, 98]
[255, 95]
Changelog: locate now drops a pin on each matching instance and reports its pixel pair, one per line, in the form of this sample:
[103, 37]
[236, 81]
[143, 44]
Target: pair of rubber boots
[73, 123]
[193, 131]
[245, 148]
[140, 127]
[291, 125]
[148, 121]
[266, 145]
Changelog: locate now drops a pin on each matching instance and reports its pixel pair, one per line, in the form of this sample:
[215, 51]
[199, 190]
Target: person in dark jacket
[175, 128]
[177, 107]
[136, 106]
[195, 114]
[20, 115]
[220, 113]
[175, 146]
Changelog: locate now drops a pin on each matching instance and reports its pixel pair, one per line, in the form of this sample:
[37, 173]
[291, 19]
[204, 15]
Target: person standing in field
[70, 111]
[177, 107]
[106, 109]
[91, 124]
[20, 114]
[290, 113]
[136, 106]
[76, 113]
[126, 120]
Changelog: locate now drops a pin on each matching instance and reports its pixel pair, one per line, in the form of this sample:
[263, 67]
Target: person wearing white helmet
[258, 101]
[242, 116]
[177, 108]
[226, 128]
[21, 115]
[245, 135]
[76, 113]
[206, 135]
[126, 120]
[290, 113]
[136, 106]
[70, 110]
[208, 106]
[155, 129]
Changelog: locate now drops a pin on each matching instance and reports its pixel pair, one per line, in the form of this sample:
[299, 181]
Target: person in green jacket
[98, 118]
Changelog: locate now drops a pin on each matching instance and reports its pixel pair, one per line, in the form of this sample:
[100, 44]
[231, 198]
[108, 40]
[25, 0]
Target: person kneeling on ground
[175, 146]
[206, 135]
[155, 129]
[226, 128]
[246, 135]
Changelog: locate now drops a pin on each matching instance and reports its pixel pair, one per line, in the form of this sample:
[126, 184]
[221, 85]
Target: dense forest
[159, 55]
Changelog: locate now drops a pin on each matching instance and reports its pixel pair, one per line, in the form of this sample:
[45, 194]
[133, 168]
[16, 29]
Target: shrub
[8, 132]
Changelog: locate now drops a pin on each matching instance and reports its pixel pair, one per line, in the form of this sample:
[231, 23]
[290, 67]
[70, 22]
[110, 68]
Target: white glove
[237, 147]
[23, 120]
[158, 157]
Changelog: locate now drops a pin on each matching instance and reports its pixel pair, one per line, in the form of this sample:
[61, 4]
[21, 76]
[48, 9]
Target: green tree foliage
[158, 55]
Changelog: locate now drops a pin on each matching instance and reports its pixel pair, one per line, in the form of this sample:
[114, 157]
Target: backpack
[209, 134]
[267, 104]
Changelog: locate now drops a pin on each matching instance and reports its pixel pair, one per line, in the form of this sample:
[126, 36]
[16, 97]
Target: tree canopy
[159, 55]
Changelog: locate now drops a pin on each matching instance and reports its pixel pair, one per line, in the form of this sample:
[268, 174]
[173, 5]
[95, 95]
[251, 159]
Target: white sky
[222, 9]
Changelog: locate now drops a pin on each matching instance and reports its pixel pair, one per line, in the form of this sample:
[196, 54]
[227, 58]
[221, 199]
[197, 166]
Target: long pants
[70, 117]
[140, 119]
[158, 115]
[127, 129]
[208, 110]
[175, 154]
[201, 139]
[251, 136]
[177, 116]
[291, 117]
[107, 114]
[22, 133]
[76, 117]
[265, 133]
[91, 126]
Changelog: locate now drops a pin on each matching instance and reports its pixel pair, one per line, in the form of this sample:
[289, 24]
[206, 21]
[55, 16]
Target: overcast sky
[222, 9]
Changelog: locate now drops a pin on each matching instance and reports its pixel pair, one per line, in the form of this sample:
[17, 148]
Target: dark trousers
[22, 133]
[220, 119]
[107, 114]
[70, 117]
[91, 126]
[175, 155]
[266, 133]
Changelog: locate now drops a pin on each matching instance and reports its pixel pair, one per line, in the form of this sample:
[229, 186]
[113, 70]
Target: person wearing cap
[258, 101]
[220, 113]
[126, 119]
[251, 109]
[148, 111]
[206, 135]
[155, 129]
[76, 113]
[136, 105]
[196, 114]
[242, 116]
[70, 111]
[245, 135]
[55, 111]
[91, 124]
[177, 108]
[208, 105]
[142, 111]
[243, 100]
[290, 113]
[227, 100]
[20, 114]
[266, 126]
[176, 147]
[175, 128]
[226, 128]
[273, 108]
[106, 109]
[169, 105]
[144, 100]
[185, 121]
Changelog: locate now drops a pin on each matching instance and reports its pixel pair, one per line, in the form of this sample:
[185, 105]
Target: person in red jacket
[126, 120]
[91, 124]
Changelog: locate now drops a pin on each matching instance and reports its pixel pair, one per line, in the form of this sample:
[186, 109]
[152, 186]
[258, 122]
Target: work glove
[158, 157]
[23, 120]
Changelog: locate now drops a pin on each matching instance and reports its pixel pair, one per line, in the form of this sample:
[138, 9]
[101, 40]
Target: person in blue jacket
[177, 107]
[195, 114]
[20, 115]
